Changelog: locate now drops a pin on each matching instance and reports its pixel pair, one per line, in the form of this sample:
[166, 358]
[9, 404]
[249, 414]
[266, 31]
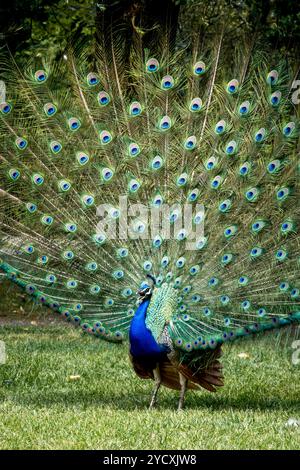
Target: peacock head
[146, 289]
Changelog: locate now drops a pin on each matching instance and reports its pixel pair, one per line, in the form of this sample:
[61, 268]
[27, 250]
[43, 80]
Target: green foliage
[47, 25]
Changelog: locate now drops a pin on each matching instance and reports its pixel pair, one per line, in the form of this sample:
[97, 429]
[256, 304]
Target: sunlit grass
[106, 407]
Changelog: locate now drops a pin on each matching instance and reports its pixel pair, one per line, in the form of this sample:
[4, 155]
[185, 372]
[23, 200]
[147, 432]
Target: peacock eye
[194, 270]
[256, 252]
[288, 129]
[260, 135]
[30, 289]
[232, 86]
[50, 278]
[226, 258]
[157, 200]
[261, 312]
[295, 293]
[258, 225]
[95, 289]
[107, 174]
[211, 163]
[114, 213]
[50, 109]
[105, 137]
[180, 262]
[243, 280]
[5, 108]
[165, 261]
[201, 243]
[74, 124]
[118, 274]
[275, 98]
[92, 79]
[64, 185]
[174, 215]
[157, 163]
[167, 82]
[157, 241]
[68, 255]
[198, 218]
[37, 179]
[70, 227]
[135, 109]
[72, 284]
[281, 254]
[182, 179]
[206, 311]
[147, 265]
[40, 76]
[134, 150]
[88, 200]
[47, 220]
[282, 194]
[230, 231]
[252, 194]
[190, 143]
[122, 252]
[55, 147]
[216, 182]
[152, 65]
[14, 174]
[82, 158]
[103, 98]
[193, 195]
[199, 68]
[231, 147]
[272, 77]
[181, 235]
[213, 281]
[287, 227]
[274, 166]
[284, 286]
[244, 108]
[245, 169]
[220, 127]
[225, 206]
[246, 304]
[177, 282]
[224, 301]
[28, 249]
[165, 123]
[31, 207]
[133, 185]
[92, 266]
[127, 292]
[21, 143]
[99, 238]
[195, 105]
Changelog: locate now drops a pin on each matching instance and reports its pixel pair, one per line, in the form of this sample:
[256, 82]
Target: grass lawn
[106, 408]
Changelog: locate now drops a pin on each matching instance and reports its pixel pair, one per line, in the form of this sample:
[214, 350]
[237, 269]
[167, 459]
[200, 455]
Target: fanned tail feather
[165, 131]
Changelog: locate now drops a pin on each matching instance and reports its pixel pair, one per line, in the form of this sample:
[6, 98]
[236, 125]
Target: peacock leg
[157, 379]
[183, 385]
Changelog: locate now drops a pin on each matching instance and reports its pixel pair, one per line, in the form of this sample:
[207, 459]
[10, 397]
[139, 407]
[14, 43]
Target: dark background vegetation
[31, 25]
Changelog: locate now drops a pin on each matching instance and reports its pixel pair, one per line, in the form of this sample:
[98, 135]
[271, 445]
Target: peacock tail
[92, 146]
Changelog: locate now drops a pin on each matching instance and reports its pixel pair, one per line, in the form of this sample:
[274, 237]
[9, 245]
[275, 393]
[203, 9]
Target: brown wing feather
[209, 376]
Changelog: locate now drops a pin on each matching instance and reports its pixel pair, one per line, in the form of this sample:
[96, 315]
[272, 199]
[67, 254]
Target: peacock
[154, 196]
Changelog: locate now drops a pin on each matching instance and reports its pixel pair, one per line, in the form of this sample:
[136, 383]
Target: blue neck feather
[142, 343]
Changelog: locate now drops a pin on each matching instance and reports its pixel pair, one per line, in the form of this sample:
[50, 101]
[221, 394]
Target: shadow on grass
[140, 400]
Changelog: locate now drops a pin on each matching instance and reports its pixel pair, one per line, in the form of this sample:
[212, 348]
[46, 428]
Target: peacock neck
[142, 342]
